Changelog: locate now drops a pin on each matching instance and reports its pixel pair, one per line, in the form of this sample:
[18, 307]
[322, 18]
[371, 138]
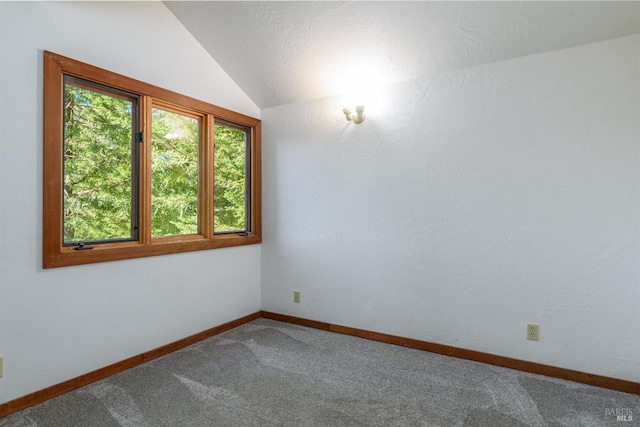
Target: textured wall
[466, 205]
[60, 323]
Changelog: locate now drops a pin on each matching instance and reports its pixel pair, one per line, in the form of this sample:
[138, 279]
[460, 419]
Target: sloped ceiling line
[284, 52]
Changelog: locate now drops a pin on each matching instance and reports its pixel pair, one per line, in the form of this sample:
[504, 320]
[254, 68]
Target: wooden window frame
[57, 255]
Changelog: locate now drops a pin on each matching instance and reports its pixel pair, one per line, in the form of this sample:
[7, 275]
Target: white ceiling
[283, 52]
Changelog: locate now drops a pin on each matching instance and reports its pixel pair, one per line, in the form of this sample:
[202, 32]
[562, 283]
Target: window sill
[68, 256]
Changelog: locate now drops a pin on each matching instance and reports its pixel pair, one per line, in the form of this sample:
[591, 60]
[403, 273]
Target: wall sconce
[358, 118]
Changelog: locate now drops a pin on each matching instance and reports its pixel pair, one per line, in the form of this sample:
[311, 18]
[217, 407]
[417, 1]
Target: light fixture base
[359, 118]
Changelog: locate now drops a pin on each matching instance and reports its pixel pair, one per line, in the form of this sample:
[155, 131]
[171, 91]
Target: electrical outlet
[532, 332]
[296, 297]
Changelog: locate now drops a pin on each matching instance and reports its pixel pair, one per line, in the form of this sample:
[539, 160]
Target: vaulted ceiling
[284, 52]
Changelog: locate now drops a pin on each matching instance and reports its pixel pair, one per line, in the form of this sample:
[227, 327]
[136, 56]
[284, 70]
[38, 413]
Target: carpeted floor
[267, 373]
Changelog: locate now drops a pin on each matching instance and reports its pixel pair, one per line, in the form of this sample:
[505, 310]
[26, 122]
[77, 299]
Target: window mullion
[206, 177]
[145, 171]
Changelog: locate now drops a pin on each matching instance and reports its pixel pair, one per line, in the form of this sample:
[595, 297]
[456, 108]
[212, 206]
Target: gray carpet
[267, 373]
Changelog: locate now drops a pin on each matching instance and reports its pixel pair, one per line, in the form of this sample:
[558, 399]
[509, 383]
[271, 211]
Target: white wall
[59, 323]
[466, 205]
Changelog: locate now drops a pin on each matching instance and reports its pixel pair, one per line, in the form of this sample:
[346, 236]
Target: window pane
[174, 174]
[99, 179]
[230, 179]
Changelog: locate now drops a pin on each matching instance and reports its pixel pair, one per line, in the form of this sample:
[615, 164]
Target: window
[134, 170]
[174, 172]
[231, 178]
[99, 156]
